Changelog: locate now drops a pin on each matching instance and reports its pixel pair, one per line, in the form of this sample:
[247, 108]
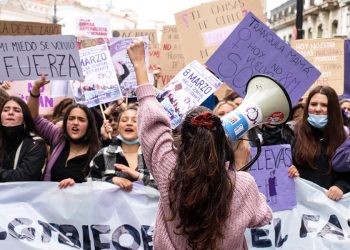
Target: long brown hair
[307, 147]
[91, 135]
[200, 188]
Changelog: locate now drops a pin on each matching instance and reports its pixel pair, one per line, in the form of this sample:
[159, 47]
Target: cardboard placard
[171, 58]
[203, 28]
[328, 56]
[13, 28]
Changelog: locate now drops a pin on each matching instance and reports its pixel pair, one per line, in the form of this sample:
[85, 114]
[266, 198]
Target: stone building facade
[321, 19]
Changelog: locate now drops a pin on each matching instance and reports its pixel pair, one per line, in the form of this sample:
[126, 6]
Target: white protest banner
[316, 223]
[27, 57]
[101, 83]
[92, 215]
[94, 27]
[122, 64]
[189, 88]
[99, 215]
[47, 101]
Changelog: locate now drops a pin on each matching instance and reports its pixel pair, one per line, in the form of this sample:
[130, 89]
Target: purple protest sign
[271, 175]
[346, 66]
[251, 49]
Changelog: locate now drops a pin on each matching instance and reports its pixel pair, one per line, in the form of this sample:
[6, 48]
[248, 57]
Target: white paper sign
[188, 89]
[101, 83]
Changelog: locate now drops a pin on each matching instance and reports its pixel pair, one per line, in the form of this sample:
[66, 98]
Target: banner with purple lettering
[271, 175]
[28, 57]
[252, 49]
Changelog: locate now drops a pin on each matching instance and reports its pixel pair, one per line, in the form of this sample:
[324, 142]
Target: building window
[320, 31]
[309, 33]
[334, 27]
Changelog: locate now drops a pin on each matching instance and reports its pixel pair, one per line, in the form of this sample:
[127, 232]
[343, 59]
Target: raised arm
[34, 93]
[153, 124]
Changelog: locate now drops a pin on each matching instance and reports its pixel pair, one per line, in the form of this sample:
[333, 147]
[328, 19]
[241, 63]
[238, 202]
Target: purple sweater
[248, 208]
[341, 158]
[53, 136]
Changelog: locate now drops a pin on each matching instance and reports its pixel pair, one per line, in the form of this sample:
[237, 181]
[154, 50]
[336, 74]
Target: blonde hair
[221, 103]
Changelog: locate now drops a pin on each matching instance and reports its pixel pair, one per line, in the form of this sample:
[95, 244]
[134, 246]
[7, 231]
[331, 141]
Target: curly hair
[200, 187]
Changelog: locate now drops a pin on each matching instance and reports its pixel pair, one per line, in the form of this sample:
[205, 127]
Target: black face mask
[13, 135]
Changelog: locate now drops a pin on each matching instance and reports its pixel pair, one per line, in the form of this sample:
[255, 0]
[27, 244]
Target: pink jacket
[248, 208]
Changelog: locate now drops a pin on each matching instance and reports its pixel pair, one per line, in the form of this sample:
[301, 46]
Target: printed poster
[123, 66]
[101, 83]
[188, 89]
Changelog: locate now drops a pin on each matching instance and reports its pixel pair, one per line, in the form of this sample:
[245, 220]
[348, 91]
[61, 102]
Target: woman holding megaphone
[204, 203]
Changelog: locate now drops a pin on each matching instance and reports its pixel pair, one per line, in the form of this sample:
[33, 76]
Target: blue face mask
[136, 141]
[318, 121]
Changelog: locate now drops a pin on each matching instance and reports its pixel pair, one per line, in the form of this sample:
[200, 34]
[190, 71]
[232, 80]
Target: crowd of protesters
[200, 183]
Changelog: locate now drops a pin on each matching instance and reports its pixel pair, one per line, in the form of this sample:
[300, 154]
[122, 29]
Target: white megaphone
[266, 102]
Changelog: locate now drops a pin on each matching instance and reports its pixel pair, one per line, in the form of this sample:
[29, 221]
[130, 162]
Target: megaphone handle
[258, 152]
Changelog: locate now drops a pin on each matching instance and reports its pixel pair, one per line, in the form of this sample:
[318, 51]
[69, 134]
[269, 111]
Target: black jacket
[30, 161]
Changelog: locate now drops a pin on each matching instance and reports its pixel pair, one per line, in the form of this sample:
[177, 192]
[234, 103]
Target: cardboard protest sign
[89, 42]
[153, 42]
[189, 88]
[203, 28]
[252, 49]
[12, 28]
[328, 56]
[124, 69]
[101, 83]
[93, 27]
[27, 57]
[271, 175]
[171, 58]
[47, 102]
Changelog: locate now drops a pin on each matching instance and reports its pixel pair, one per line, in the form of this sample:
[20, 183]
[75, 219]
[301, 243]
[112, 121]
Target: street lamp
[54, 18]
[299, 19]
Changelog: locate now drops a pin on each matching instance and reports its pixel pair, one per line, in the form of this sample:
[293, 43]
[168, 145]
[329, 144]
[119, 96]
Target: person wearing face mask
[122, 163]
[317, 136]
[22, 152]
[72, 146]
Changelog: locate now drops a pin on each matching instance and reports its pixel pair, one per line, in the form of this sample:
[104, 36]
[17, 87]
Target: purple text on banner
[252, 49]
[270, 172]
[346, 72]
